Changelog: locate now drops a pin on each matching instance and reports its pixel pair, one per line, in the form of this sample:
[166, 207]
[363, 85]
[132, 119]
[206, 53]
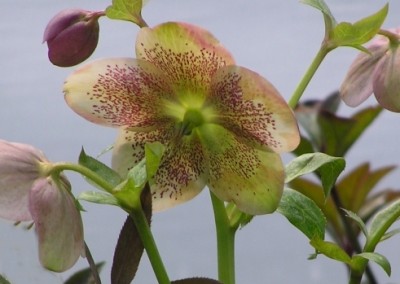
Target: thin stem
[149, 244]
[355, 244]
[225, 242]
[323, 51]
[393, 37]
[61, 166]
[92, 265]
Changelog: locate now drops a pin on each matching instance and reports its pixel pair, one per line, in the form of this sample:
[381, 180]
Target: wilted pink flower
[223, 125]
[377, 72]
[26, 194]
[72, 36]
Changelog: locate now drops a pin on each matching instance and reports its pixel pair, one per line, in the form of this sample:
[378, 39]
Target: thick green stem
[149, 244]
[324, 50]
[225, 242]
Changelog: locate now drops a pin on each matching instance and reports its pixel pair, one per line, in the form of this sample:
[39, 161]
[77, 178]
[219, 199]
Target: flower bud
[376, 72]
[28, 193]
[386, 82]
[19, 168]
[58, 223]
[72, 36]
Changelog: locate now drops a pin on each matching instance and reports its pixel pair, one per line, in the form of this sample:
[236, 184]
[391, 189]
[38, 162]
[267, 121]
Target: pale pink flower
[376, 72]
[26, 194]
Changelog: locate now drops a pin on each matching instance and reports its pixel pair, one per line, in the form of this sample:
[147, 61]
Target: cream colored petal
[182, 173]
[238, 173]
[128, 148]
[119, 92]
[180, 176]
[189, 56]
[250, 107]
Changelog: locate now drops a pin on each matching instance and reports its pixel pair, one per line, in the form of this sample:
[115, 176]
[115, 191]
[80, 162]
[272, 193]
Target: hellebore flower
[375, 72]
[72, 36]
[27, 195]
[223, 125]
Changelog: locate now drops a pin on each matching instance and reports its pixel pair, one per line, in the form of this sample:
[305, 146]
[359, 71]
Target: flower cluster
[223, 125]
[378, 72]
[28, 194]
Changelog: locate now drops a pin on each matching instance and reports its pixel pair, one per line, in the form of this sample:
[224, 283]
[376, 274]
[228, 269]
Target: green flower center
[192, 119]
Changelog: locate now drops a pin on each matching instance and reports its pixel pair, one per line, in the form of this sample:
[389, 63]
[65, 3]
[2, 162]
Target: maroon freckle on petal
[245, 118]
[184, 67]
[127, 96]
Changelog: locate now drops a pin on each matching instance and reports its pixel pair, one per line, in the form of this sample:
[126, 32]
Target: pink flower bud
[376, 72]
[386, 84]
[72, 36]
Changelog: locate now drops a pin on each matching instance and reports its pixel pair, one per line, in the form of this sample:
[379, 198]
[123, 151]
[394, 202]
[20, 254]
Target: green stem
[352, 237]
[149, 244]
[56, 168]
[393, 37]
[225, 242]
[323, 51]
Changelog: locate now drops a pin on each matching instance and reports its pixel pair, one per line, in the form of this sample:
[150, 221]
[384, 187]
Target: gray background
[277, 39]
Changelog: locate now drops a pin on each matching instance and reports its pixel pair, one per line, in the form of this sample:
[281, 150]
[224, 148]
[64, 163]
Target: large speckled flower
[223, 125]
[376, 72]
[28, 195]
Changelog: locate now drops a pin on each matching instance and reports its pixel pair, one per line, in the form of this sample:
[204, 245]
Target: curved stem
[393, 37]
[323, 51]
[62, 166]
[225, 242]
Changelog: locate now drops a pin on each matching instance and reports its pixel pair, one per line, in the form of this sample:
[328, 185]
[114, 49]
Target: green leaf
[99, 168]
[329, 133]
[138, 174]
[339, 133]
[98, 197]
[354, 188]
[147, 167]
[346, 34]
[378, 259]
[330, 21]
[380, 223]
[3, 280]
[153, 153]
[328, 168]
[196, 280]
[315, 192]
[330, 250]
[129, 249]
[303, 213]
[361, 120]
[304, 147]
[376, 202]
[358, 221]
[307, 114]
[390, 234]
[83, 276]
[127, 10]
